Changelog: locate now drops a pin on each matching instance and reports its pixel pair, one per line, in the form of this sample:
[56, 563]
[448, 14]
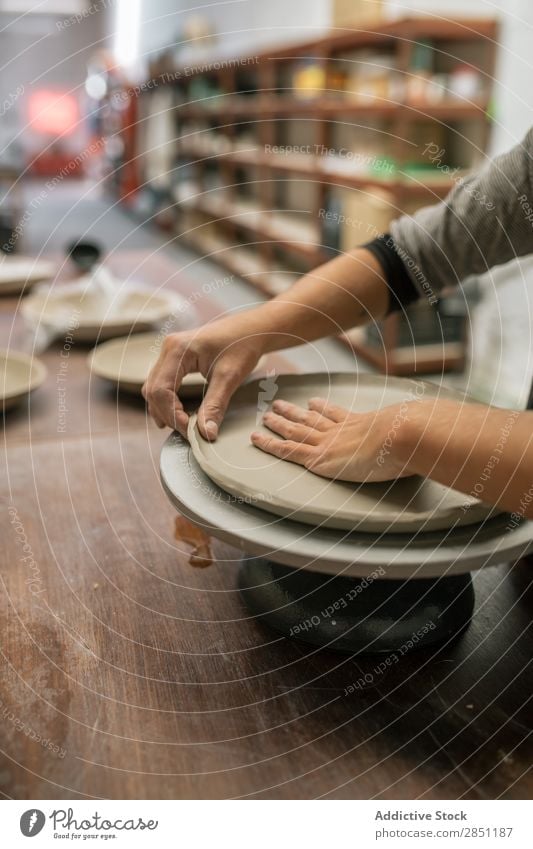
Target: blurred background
[264, 138]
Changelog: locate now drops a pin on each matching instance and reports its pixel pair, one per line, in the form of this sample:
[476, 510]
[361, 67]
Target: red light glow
[53, 113]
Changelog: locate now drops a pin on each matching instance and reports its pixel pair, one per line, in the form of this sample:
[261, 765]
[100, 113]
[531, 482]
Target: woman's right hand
[222, 353]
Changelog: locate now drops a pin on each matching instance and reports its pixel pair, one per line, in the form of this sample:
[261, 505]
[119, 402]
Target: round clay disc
[126, 362]
[20, 374]
[18, 273]
[93, 315]
[286, 489]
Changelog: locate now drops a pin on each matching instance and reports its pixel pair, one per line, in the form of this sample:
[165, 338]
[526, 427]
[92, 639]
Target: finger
[165, 406]
[330, 411]
[160, 391]
[221, 387]
[285, 449]
[181, 422]
[159, 422]
[290, 430]
[177, 418]
[300, 415]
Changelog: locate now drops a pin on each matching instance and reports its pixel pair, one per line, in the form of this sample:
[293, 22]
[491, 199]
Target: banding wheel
[380, 590]
[356, 615]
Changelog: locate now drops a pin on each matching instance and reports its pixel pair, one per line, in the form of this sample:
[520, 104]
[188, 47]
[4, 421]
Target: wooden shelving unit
[232, 114]
[11, 205]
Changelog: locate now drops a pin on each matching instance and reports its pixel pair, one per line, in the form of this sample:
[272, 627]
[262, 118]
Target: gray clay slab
[288, 490]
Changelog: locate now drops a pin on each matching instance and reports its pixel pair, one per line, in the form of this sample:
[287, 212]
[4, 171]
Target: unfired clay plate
[288, 490]
[91, 315]
[18, 273]
[126, 362]
[19, 375]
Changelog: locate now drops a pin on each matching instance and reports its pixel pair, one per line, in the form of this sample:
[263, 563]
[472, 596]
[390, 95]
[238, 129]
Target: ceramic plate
[18, 273]
[91, 315]
[19, 375]
[288, 490]
[126, 363]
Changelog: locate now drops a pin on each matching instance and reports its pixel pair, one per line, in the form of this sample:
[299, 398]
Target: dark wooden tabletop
[131, 668]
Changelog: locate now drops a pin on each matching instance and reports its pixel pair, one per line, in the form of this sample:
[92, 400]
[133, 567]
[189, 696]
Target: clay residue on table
[193, 537]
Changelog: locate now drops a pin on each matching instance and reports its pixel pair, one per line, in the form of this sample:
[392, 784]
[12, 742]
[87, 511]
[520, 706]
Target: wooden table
[131, 668]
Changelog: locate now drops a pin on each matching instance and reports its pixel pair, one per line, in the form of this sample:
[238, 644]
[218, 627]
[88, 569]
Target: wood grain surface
[131, 668]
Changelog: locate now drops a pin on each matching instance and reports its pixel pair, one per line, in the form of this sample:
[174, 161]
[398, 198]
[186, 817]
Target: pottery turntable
[355, 568]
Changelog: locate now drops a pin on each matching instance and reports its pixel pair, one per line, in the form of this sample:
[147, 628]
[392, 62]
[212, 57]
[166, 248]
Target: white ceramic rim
[37, 372]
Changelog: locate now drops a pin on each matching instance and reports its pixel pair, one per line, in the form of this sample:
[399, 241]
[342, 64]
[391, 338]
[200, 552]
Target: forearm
[342, 293]
[348, 291]
[482, 451]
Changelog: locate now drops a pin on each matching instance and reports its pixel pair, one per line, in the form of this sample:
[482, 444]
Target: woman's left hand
[334, 443]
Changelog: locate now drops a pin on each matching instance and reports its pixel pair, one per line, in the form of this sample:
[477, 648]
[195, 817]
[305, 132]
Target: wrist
[414, 419]
[278, 324]
[267, 328]
[247, 330]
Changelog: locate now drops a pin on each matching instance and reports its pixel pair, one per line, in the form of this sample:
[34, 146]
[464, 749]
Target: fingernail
[211, 428]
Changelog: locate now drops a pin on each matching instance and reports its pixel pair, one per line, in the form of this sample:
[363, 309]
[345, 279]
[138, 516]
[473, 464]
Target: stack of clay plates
[19, 375]
[90, 314]
[18, 273]
[288, 490]
[126, 363]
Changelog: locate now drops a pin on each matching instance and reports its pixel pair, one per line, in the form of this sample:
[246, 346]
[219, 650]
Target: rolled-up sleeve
[486, 220]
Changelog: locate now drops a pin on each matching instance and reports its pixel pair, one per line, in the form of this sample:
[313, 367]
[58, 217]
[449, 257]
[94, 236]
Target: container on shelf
[365, 214]
[372, 77]
[465, 83]
[355, 13]
[309, 79]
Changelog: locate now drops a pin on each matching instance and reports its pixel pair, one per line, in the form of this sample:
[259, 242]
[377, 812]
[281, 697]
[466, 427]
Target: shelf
[381, 34]
[420, 359]
[416, 184]
[279, 107]
[244, 262]
[416, 29]
[261, 223]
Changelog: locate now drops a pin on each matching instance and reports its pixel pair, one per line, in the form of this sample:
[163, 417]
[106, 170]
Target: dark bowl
[8, 236]
[85, 255]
